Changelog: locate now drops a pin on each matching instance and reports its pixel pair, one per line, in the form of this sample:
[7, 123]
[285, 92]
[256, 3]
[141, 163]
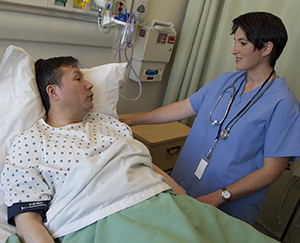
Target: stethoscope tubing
[252, 103]
[225, 133]
[215, 122]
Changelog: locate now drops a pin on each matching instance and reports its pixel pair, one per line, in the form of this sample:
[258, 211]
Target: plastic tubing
[127, 35]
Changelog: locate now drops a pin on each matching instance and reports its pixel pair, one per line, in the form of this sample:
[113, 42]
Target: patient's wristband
[40, 207]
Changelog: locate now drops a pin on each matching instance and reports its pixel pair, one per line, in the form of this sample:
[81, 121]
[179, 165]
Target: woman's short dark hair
[261, 27]
[49, 72]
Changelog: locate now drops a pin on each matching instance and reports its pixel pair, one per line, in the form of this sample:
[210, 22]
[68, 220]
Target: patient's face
[75, 93]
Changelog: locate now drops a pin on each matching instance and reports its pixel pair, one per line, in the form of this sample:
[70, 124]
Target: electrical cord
[291, 183]
[293, 224]
[277, 217]
[287, 195]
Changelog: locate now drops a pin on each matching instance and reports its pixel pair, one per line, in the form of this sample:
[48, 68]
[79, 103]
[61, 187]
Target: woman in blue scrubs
[247, 125]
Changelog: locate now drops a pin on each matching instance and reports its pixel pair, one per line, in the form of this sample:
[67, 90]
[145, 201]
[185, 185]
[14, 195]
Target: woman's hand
[255, 181]
[214, 198]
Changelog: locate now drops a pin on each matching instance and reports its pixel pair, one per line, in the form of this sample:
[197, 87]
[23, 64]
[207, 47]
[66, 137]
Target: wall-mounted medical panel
[153, 47]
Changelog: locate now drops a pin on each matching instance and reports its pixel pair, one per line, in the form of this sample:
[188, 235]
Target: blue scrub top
[270, 128]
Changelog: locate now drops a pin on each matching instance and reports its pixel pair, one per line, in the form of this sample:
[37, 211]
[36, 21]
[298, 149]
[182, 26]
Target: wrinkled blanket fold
[118, 178]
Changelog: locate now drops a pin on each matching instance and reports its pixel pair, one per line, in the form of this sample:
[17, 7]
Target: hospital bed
[24, 107]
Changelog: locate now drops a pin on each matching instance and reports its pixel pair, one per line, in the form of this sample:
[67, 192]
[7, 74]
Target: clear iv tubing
[128, 33]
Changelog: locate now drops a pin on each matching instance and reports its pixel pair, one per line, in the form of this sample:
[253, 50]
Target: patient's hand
[173, 184]
[30, 228]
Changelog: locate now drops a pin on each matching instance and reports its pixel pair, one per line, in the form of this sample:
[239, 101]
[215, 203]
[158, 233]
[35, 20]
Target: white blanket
[118, 178]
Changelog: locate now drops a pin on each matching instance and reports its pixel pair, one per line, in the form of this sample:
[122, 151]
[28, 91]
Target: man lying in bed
[71, 170]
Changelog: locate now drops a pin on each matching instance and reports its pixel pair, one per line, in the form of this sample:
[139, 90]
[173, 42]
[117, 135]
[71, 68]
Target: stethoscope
[226, 131]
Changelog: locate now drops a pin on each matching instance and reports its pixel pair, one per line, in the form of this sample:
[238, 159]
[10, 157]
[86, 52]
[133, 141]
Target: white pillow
[21, 105]
[106, 80]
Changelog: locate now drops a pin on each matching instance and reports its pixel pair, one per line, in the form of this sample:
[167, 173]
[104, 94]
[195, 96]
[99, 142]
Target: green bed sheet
[166, 218]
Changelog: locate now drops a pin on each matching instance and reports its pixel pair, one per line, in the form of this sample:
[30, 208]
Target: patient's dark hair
[261, 27]
[49, 72]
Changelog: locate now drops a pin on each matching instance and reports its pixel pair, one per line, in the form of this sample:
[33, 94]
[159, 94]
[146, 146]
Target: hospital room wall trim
[28, 27]
[47, 11]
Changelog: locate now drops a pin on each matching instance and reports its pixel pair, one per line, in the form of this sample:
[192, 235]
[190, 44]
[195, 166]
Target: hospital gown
[47, 155]
[270, 128]
[95, 157]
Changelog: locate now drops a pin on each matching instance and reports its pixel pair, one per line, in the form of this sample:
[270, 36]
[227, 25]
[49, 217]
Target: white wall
[44, 37]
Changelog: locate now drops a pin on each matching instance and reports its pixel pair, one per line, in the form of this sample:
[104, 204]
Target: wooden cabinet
[164, 141]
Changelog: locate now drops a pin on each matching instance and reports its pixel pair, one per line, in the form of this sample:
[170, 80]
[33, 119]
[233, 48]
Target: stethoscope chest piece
[215, 122]
[224, 134]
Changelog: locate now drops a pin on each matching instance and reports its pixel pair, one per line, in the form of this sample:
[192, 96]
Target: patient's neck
[61, 120]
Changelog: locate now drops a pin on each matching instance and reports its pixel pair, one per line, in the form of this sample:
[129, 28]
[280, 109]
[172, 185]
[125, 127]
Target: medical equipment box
[153, 47]
[164, 141]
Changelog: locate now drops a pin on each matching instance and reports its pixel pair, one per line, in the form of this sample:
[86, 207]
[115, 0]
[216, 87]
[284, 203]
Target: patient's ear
[51, 91]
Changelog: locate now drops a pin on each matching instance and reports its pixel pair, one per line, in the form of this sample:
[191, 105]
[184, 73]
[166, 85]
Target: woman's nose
[234, 49]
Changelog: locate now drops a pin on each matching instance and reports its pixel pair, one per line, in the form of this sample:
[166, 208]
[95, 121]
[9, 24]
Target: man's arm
[30, 228]
[255, 181]
[173, 184]
[173, 112]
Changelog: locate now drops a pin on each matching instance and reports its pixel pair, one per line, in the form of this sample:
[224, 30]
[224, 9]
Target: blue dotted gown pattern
[41, 157]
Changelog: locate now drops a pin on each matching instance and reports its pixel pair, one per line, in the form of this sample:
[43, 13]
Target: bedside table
[164, 141]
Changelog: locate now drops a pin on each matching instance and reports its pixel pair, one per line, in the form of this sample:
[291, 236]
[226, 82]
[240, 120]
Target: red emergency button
[171, 40]
[162, 38]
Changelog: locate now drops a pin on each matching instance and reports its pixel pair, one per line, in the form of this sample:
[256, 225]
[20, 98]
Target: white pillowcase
[21, 105]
